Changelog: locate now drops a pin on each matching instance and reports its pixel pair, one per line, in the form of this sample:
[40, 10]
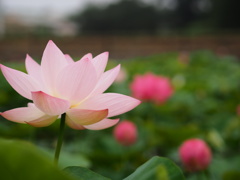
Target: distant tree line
[133, 16]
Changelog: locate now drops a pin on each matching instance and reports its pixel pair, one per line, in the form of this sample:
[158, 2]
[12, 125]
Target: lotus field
[169, 116]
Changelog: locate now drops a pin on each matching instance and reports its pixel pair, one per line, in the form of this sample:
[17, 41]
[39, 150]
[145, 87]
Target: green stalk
[60, 139]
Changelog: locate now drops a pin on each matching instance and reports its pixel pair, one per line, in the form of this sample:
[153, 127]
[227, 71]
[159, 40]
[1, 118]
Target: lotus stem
[60, 139]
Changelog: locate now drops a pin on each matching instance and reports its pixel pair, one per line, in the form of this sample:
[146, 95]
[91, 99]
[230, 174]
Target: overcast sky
[48, 11]
[60, 7]
[57, 7]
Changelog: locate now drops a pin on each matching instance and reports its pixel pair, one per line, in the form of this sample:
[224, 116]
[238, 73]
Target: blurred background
[126, 28]
[194, 44]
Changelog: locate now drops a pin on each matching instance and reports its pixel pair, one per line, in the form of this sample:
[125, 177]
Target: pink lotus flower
[125, 133]
[195, 154]
[60, 85]
[151, 87]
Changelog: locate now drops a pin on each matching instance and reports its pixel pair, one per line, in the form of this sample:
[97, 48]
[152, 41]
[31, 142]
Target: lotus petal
[33, 68]
[115, 103]
[103, 124]
[43, 121]
[76, 81]
[73, 125]
[87, 56]
[21, 82]
[100, 63]
[50, 105]
[106, 80]
[28, 115]
[85, 116]
[53, 61]
[69, 58]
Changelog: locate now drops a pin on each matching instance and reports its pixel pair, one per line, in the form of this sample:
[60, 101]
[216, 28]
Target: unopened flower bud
[151, 87]
[195, 154]
[125, 133]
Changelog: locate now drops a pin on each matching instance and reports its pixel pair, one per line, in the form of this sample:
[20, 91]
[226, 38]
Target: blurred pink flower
[151, 87]
[195, 154]
[125, 133]
[60, 85]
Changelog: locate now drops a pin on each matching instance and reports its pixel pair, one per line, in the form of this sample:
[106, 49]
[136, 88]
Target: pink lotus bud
[151, 87]
[195, 154]
[126, 133]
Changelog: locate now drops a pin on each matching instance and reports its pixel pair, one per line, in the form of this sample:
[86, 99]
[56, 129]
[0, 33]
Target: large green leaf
[68, 158]
[22, 160]
[84, 173]
[157, 168]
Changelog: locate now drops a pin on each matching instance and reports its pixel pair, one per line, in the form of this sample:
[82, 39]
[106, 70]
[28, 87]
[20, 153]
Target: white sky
[38, 7]
[60, 7]
[35, 11]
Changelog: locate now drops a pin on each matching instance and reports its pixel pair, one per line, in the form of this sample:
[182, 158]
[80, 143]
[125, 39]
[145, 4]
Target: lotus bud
[150, 87]
[125, 133]
[195, 154]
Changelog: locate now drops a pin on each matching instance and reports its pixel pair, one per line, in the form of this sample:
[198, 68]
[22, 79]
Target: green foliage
[203, 105]
[84, 173]
[157, 168]
[21, 160]
[206, 95]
